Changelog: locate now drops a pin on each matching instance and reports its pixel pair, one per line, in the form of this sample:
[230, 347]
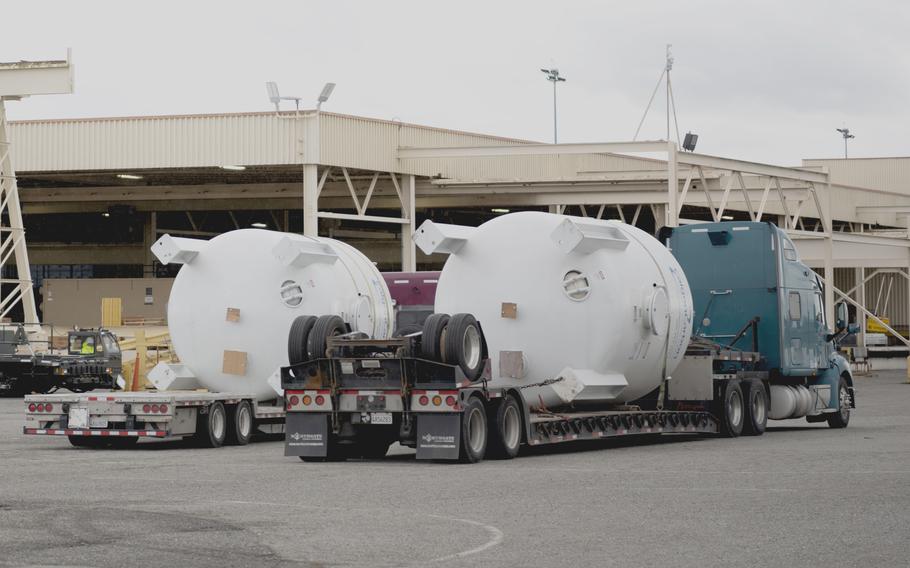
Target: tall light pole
[553, 76]
[845, 132]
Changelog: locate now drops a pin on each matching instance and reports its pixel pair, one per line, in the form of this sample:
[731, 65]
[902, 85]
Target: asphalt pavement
[802, 495]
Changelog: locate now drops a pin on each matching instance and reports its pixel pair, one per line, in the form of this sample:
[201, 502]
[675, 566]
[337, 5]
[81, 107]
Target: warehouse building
[96, 193]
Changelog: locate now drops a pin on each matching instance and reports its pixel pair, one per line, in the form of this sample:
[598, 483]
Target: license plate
[96, 422]
[78, 418]
[380, 418]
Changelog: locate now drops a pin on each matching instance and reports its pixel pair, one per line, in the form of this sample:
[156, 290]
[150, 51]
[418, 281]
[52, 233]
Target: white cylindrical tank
[234, 299]
[600, 306]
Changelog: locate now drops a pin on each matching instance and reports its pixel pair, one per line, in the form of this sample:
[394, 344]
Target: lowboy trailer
[368, 394]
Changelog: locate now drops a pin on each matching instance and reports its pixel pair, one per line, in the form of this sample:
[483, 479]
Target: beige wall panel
[77, 301]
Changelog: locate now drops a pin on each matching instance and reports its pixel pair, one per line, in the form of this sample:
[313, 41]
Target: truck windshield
[110, 345]
[82, 345]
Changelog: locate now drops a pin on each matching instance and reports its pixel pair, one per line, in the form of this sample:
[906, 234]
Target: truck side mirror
[853, 328]
[840, 315]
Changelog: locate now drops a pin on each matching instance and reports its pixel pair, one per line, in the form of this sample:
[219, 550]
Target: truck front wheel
[733, 410]
[473, 431]
[841, 418]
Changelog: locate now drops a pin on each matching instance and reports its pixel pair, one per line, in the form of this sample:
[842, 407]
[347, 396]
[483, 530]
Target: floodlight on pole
[845, 132]
[553, 75]
[325, 94]
[276, 99]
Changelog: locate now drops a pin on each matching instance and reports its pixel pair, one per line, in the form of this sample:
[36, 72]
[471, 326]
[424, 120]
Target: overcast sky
[764, 81]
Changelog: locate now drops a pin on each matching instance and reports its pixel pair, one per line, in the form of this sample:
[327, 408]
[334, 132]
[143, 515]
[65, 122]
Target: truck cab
[751, 291]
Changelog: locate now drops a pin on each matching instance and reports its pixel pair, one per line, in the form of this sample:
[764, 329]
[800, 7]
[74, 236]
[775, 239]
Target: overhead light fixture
[499, 210]
[690, 141]
[234, 168]
[259, 225]
[275, 98]
[727, 217]
[325, 94]
[128, 176]
[105, 214]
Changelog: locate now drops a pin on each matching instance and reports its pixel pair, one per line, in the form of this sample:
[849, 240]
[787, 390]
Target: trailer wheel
[211, 427]
[431, 343]
[324, 328]
[297, 338]
[473, 431]
[756, 408]
[733, 412]
[841, 418]
[87, 441]
[505, 439]
[463, 345]
[240, 424]
[371, 447]
[123, 442]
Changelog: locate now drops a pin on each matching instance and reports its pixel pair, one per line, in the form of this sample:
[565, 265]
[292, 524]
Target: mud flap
[306, 434]
[438, 436]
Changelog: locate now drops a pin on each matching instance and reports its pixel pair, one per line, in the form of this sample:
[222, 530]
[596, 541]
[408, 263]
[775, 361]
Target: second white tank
[572, 309]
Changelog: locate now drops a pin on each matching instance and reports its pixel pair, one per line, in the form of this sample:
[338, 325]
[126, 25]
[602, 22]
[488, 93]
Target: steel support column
[861, 298]
[828, 226]
[408, 211]
[672, 210]
[310, 199]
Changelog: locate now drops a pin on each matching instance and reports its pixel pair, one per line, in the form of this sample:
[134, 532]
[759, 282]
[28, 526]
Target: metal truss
[16, 284]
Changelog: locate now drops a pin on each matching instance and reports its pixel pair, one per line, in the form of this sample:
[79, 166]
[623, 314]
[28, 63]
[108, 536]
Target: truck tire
[297, 339]
[87, 441]
[371, 447]
[324, 328]
[431, 343]
[240, 424]
[732, 410]
[841, 418]
[123, 442]
[212, 427]
[756, 407]
[463, 345]
[473, 431]
[408, 329]
[505, 431]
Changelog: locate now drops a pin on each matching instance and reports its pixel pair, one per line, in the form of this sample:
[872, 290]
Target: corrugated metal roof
[179, 141]
[892, 174]
[257, 139]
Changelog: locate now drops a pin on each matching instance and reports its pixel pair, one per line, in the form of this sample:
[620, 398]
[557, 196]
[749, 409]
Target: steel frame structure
[19, 80]
[803, 188]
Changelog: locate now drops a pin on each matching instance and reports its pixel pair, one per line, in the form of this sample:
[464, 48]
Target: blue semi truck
[750, 291]
[761, 348]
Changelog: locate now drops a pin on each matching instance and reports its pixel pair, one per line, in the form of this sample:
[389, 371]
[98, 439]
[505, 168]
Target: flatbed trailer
[367, 394]
[120, 419]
